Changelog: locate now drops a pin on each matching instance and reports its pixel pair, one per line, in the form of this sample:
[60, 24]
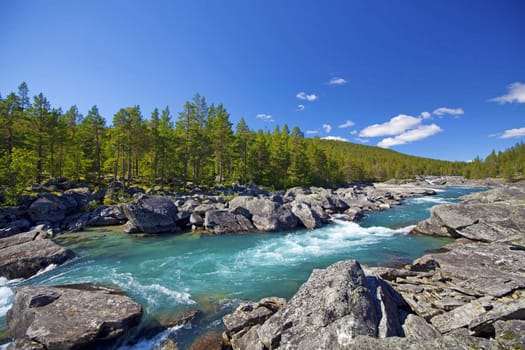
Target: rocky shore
[272, 322]
[470, 294]
[24, 249]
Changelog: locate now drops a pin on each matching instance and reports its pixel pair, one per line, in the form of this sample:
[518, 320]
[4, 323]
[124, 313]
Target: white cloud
[312, 132]
[346, 124]
[335, 138]
[304, 96]
[353, 132]
[361, 140]
[300, 107]
[419, 133]
[337, 81]
[518, 132]
[265, 117]
[516, 94]
[425, 115]
[394, 126]
[327, 128]
[444, 110]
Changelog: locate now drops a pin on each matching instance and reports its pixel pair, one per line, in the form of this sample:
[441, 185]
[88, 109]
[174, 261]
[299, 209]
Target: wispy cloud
[353, 132]
[335, 138]
[516, 94]
[419, 133]
[265, 117]
[327, 128]
[300, 107]
[445, 110]
[513, 133]
[337, 81]
[346, 124]
[425, 115]
[394, 126]
[359, 139]
[312, 132]
[308, 97]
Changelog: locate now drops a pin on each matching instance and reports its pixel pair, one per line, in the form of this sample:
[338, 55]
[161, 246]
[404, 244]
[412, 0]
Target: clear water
[171, 274]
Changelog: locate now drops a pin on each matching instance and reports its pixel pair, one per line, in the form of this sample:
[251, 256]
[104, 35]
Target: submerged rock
[71, 317]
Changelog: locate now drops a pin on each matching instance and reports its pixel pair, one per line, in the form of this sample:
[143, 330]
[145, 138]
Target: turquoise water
[171, 274]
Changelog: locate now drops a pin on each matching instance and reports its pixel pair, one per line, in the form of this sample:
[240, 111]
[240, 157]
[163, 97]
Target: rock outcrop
[497, 215]
[468, 294]
[71, 317]
[152, 214]
[333, 307]
[24, 254]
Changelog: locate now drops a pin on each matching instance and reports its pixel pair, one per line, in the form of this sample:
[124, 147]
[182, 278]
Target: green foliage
[200, 148]
[17, 170]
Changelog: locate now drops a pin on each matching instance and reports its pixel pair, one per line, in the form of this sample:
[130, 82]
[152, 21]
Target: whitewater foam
[6, 296]
[296, 247]
[154, 293]
[437, 200]
[156, 342]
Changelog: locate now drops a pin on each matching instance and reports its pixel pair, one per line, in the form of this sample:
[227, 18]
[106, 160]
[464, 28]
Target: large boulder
[334, 305]
[71, 317]
[223, 221]
[23, 255]
[266, 215]
[305, 214]
[47, 208]
[107, 216]
[152, 214]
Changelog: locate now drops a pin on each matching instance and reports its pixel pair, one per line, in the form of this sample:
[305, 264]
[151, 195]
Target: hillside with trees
[199, 146]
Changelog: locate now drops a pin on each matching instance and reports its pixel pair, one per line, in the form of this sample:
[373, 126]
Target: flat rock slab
[25, 259]
[71, 317]
[495, 269]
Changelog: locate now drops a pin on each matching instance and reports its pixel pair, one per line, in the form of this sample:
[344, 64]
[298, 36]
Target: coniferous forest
[197, 146]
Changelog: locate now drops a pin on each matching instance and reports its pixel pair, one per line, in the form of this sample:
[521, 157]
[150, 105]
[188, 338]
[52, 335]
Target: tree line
[197, 147]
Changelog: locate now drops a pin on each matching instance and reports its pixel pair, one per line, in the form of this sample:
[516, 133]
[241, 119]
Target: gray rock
[458, 318]
[242, 325]
[130, 228]
[267, 215]
[483, 325]
[152, 214]
[337, 303]
[48, 208]
[25, 344]
[510, 334]
[455, 340]
[309, 218]
[107, 216]
[494, 269]
[196, 219]
[223, 221]
[415, 327]
[497, 215]
[72, 317]
[246, 316]
[15, 227]
[23, 255]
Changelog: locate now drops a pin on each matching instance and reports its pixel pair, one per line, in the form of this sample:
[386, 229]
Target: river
[173, 274]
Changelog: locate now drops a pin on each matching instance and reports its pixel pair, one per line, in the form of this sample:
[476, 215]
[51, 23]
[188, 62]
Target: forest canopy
[198, 146]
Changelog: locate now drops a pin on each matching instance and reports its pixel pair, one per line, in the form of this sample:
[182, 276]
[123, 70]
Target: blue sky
[440, 79]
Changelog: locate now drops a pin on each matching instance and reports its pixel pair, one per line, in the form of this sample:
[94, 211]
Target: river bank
[148, 286]
[470, 293]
